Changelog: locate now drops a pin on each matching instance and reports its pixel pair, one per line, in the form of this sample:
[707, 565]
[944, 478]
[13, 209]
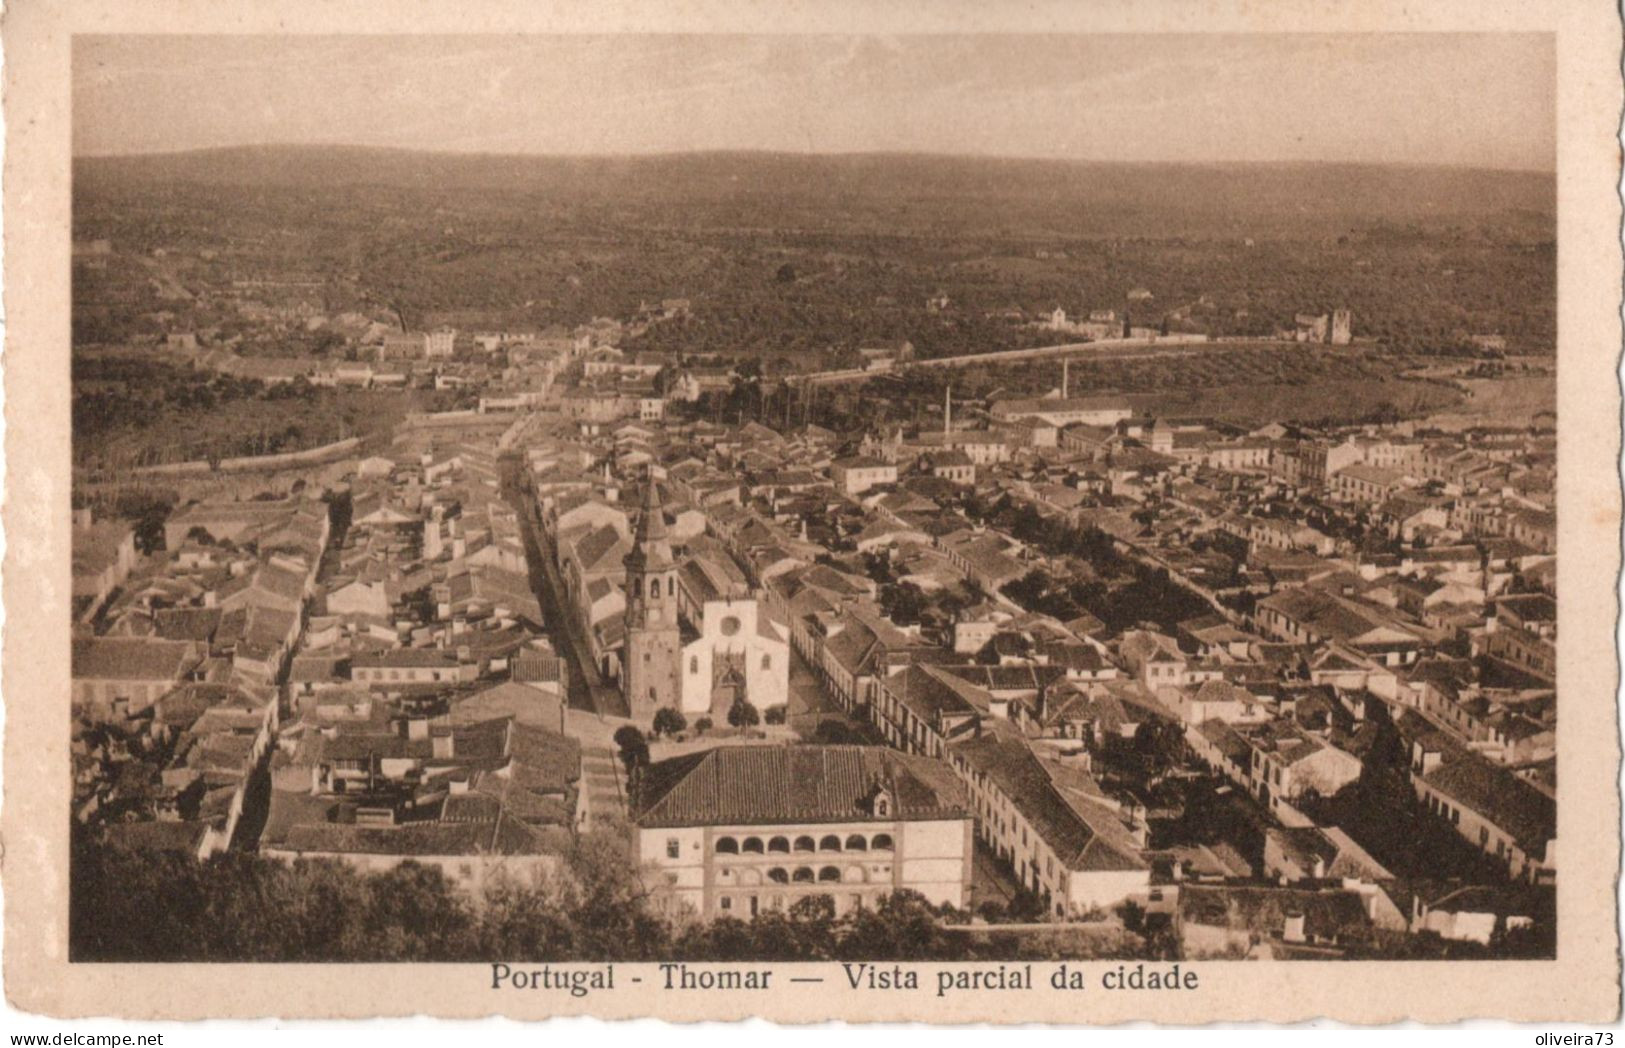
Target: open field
[1500, 402]
[136, 411]
[1330, 401]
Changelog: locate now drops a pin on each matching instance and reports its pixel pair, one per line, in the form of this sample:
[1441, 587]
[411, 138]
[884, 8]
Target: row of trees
[129, 906]
[634, 745]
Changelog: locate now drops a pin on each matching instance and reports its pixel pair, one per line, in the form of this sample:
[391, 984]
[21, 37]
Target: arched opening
[802, 874]
[805, 844]
[654, 587]
[830, 843]
[882, 842]
[854, 875]
[779, 844]
[727, 846]
[829, 873]
[856, 843]
[752, 845]
[779, 875]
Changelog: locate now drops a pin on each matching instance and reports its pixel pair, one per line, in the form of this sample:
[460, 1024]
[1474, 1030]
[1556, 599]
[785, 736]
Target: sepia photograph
[723, 510]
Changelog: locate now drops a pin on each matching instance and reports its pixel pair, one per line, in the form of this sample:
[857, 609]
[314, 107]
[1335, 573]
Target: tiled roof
[752, 785]
[1084, 836]
[194, 624]
[135, 658]
[1529, 815]
[930, 692]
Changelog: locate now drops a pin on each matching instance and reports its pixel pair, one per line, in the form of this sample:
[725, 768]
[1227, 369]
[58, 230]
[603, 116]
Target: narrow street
[587, 688]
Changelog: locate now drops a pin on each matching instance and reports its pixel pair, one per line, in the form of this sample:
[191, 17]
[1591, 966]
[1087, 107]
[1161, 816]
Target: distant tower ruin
[1342, 327]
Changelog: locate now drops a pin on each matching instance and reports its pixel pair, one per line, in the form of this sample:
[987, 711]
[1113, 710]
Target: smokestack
[1065, 365]
[947, 410]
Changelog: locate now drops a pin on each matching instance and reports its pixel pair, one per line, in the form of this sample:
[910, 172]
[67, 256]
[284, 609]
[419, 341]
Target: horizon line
[1441, 165]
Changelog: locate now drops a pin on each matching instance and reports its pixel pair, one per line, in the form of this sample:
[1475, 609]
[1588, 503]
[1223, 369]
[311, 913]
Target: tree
[743, 715]
[669, 721]
[904, 602]
[835, 733]
[634, 747]
[903, 927]
[1160, 745]
[703, 725]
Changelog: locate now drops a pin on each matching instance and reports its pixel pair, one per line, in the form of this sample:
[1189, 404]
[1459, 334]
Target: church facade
[738, 654]
[724, 649]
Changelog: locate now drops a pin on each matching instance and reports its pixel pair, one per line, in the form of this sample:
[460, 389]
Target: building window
[693, 664]
[806, 844]
[829, 873]
[779, 844]
[674, 848]
[779, 875]
[726, 902]
[802, 875]
[727, 846]
[856, 843]
[830, 843]
[752, 846]
[767, 662]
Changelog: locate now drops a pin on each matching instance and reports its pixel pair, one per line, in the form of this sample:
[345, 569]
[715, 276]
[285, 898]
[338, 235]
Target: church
[697, 652]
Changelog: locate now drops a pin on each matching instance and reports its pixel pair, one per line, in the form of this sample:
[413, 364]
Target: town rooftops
[1337, 852]
[861, 462]
[405, 658]
[770, 785]
[1526, 813]
[502, 835]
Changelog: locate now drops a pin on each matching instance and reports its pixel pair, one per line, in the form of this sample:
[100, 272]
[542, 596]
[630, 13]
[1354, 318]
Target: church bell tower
[653, 656]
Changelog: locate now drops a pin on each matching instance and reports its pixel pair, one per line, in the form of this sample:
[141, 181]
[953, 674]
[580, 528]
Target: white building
[441, 342]
[741, 829]
[1070, 849]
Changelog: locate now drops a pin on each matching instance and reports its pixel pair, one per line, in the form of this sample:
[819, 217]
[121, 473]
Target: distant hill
[900, 192]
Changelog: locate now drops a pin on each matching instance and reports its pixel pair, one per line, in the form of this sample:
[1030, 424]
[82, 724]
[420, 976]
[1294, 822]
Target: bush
[777, 714]
[836, 733]
[703, 725]
[669, 721]
[743, 715]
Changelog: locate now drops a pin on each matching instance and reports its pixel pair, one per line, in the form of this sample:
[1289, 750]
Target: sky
[1481, 100]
